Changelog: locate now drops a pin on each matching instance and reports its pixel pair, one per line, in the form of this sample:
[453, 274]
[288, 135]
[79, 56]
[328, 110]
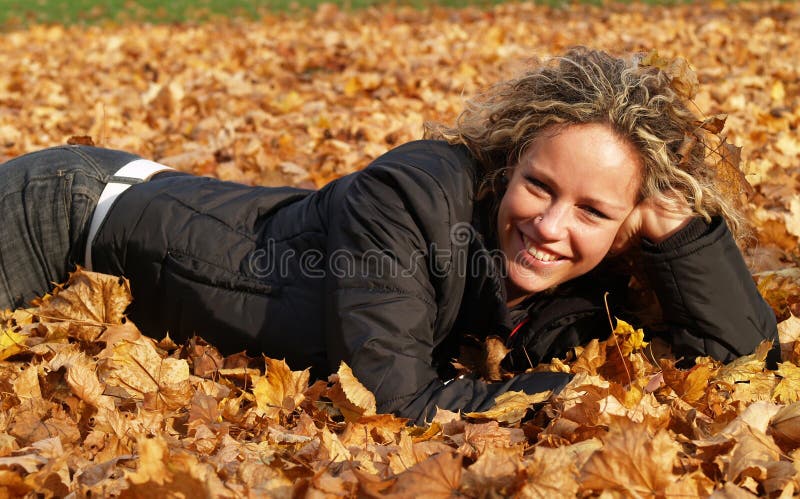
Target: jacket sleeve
[389, 253]
[710, 302]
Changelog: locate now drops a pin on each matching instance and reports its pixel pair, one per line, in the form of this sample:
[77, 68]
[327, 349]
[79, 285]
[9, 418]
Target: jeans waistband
[135, 172]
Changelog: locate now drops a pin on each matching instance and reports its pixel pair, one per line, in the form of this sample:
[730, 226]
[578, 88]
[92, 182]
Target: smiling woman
[566, 200]
[509, 223]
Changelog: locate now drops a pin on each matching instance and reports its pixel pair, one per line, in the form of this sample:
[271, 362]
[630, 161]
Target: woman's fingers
[628, 232]
[663, 217]
[655, 219]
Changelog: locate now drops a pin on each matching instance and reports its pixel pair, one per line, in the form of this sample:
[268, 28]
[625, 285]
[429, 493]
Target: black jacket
[385, 269]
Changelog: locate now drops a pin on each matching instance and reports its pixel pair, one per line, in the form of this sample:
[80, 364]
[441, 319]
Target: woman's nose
[552, 223]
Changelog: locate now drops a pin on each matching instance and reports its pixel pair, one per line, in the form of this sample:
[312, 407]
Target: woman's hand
[652, 219]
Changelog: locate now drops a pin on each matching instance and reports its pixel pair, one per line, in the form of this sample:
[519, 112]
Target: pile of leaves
[91, 407]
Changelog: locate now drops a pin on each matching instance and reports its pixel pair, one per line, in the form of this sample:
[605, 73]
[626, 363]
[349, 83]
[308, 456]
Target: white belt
[135, 172]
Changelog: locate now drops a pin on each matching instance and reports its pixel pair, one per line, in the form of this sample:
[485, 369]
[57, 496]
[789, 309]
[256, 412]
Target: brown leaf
[754, 454]
[80, 140]
[495, 351]
[713, 124]
[551, 473]
[87, 304]
[591, 357]
[496, 472]
[437, 477]
[631, 461]
[785, 426]
[137, 367]
[729, 178]
[81, 377]
[478, 438]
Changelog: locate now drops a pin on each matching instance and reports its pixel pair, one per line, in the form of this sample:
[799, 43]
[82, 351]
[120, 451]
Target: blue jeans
[47, 199]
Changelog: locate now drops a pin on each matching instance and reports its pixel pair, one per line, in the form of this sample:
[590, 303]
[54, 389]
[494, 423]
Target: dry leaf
[141, 371]
[510, 407]
[11, 343]
[280, 391]
[350, 396]
[632, 462]
[305, 99]
[437, 477]
[87, 304]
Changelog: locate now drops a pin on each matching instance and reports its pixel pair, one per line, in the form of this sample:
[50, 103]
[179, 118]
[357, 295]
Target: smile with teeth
[538, 253]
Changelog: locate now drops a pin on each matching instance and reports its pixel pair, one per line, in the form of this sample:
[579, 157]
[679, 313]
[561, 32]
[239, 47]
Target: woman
[503, 227]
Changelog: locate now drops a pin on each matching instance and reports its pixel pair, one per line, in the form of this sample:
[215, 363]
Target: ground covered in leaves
[91, 407]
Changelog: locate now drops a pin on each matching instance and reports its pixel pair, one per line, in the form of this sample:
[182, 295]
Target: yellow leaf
[350, 396]
[590, 358]
[777, 92]
[11, 343]
[352, 87]
[788, 389]
[153, 459]
[336, 451]
[633, 338]
[696, 382]
[281, 389]
[743, 368]
[510, 407]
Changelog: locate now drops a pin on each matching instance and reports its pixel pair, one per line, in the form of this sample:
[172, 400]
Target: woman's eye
[537, 184]
[594, 212]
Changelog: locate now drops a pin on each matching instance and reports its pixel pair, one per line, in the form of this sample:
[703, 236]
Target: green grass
[23, 12]
[20, 13]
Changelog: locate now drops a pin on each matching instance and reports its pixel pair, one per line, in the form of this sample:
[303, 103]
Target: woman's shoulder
[451, 166]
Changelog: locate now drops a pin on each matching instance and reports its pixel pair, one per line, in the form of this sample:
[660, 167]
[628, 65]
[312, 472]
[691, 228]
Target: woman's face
[565, 200]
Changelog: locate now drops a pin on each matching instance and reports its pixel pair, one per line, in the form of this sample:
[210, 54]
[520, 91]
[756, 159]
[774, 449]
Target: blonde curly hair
[642, 104]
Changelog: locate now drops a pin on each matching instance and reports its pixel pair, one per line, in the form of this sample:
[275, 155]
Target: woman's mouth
[539, 253]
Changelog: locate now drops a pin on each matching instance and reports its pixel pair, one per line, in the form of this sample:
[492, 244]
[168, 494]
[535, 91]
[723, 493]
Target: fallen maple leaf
[743, 368]
[785, 426]
[138, 368]
[552, 473]
[788, 334]
[349, 395]
[11, 343]
[632, 339]
[631, 461]
[788, 389]
[86, 304]
[280, 390]
[511, 406]
[438, 476]
[81, 377]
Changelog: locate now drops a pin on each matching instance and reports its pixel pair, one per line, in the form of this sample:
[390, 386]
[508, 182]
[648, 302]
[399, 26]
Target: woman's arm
[706, 292]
